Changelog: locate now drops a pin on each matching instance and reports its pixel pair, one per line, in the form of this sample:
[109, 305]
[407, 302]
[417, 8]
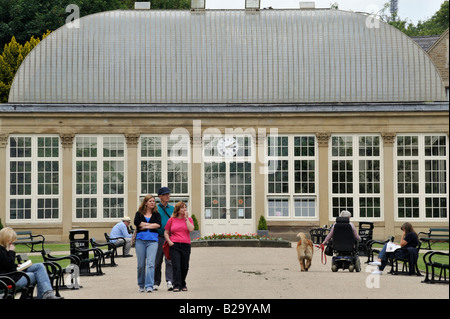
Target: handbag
[166, 247]
[166, 250]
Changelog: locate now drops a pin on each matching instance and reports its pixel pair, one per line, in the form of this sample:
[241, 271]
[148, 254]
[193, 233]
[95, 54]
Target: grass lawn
[54, 249]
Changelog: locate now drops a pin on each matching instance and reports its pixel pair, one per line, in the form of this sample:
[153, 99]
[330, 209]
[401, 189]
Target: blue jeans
[38, 275]
[146, 253]
[384, 256]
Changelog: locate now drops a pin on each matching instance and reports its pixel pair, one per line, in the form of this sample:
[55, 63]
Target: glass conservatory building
[293, 115]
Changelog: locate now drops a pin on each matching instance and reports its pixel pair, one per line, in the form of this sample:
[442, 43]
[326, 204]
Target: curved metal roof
[226, 56]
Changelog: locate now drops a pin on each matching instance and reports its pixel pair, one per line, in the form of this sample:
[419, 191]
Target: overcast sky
[412, 10]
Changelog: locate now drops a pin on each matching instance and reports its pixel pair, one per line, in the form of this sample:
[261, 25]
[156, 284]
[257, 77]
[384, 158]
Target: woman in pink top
[177, 235]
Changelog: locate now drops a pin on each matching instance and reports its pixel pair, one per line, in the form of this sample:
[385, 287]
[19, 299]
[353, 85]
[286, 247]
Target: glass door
[228, 197]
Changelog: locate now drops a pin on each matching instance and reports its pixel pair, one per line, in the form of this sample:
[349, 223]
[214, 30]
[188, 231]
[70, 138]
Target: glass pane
[304, 146]
[340, 204]
[278, 177]
[278, 146]
[304, 176]
[113, 147]
[305, 207]
[215, 190]
[240, 190]
[151, 146]
[86, 146]
[278, 207]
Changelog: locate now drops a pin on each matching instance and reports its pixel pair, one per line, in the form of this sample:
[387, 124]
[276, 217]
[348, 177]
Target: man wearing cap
[121, 230]
[166, 211]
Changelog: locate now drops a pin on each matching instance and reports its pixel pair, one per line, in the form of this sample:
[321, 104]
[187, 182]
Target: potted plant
[196, 232]
[263, 230]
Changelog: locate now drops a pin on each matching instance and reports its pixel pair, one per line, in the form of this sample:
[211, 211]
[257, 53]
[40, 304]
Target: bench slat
[435, 234]
[26, 237]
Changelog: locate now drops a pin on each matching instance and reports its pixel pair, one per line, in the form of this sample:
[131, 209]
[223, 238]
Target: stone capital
[66, 140]
[3, 140]
[323, 138]
[132, 139]
[388, 138]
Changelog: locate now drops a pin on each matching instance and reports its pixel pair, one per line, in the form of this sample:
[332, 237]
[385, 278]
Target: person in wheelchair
[344, 239]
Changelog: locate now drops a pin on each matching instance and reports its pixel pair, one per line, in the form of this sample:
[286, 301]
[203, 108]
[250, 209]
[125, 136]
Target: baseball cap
[164, 190]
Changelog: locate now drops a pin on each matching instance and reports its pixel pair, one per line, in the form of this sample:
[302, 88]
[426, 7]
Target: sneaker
[141, 289]
[169, 286]
[148, 289]
[155, 287]
[50, 295]
[375, 263]
[377, 272]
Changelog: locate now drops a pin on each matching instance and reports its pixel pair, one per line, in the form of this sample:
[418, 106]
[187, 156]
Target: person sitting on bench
[37, 272]
[409, 239]
[121, 230]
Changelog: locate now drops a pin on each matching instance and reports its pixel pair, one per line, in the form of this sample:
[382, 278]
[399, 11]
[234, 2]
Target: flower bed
[239, 240]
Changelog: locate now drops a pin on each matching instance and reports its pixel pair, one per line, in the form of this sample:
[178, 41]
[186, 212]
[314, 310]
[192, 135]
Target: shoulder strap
[164, 209]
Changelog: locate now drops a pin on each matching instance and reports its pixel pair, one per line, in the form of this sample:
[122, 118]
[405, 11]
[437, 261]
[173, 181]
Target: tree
[436, 25]
[10, 60]
[25, 18]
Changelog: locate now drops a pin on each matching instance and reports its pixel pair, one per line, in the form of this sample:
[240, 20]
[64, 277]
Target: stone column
[67, 203]
[324, 180]
[3, 188]
[132, 140]
[389, 186]
[260, 172]
[195, 182]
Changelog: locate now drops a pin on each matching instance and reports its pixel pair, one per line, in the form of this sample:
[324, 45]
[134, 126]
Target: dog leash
[323, 256]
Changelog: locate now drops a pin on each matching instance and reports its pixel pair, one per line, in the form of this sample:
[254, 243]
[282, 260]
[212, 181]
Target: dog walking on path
[305, 251]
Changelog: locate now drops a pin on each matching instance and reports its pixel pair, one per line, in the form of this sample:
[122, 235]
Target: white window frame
[422, 195]
[211, 155]
[355, 158]
[34, 196]
[100, 159]
[291, 196]
[165, 158]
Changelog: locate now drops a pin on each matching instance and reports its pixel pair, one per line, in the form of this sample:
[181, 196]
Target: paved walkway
[258, 273]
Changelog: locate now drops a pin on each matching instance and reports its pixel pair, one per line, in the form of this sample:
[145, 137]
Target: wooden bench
[434, 235]
[26, 238]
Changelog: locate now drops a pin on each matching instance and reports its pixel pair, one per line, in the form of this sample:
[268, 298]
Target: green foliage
[262, 224]
[26, 18]
[436, 25]
[1, 225]
[13, 55]
[194, 219]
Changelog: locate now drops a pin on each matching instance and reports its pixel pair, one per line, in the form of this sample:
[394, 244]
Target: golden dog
[305, 251]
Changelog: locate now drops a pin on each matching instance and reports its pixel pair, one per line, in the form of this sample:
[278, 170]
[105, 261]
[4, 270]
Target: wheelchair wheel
[334, 267]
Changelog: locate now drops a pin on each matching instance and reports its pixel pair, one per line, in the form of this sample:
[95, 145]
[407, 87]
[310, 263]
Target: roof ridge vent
[142, 5]
[198, 5]
[252, 5]
[307, 5]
